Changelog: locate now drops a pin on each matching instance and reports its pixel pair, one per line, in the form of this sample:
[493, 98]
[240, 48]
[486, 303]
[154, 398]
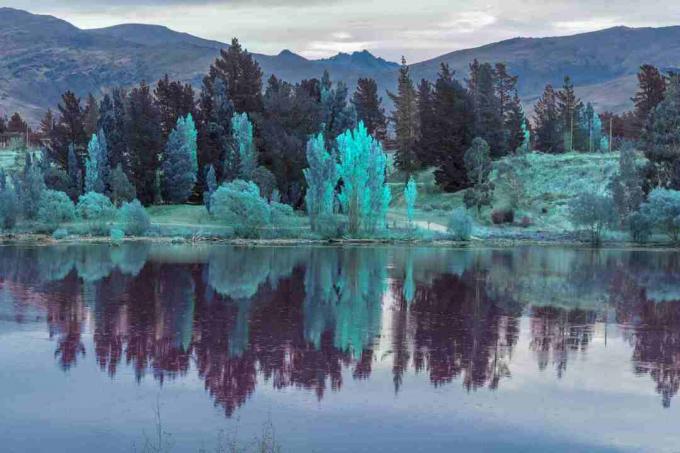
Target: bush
[331, 226]
[122, 189]
[59, 234]
[55, 208]
[663, 211]
[116, 235]
[135, 219]
[96, 209]
[460, 224]
[240, 205]
[595, 212]
[500, 216]
[640, 226]
[526, 222]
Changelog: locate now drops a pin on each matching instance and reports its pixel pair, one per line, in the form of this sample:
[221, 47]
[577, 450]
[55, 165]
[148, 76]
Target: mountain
[42, 56]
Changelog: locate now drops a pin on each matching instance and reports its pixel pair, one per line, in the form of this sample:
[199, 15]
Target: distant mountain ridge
[42, 56]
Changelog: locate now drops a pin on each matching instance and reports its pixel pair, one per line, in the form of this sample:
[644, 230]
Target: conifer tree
[322, 178]
[427, 130]
[569, 109]
[516, 126]
[69, 130]
[405, 119]
[47, 124]
[180, 162]
[90, 115]
[490, 122]
[112, 121]
[367, 104]
[175, 100]
[364, 196]
[478, 166]
[410, 196]
[338, 114]
[210, 186]
[96, 164]
[244, 146]
[626, 185]
[75, 175]
[214, 140]
[548, 127]
[31, 187]
[651, 91]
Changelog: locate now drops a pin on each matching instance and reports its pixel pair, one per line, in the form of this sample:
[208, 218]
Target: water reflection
[299, 317]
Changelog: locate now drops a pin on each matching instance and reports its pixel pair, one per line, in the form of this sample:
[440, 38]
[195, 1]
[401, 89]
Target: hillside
[42, 56]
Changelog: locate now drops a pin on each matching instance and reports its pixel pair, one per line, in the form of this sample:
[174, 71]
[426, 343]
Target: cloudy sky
[418, 29]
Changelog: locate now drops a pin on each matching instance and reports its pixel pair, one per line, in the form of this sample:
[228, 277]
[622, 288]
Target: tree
[489, 123]
[651, 90]
[516, 130]
[214, 136]
[210, 186]
[180, 162]
[31, 185]
[239, 205]
[9, 203]
[91, 116]
[242, 77]
[593, 211]
[548, 127]
[322, 178]
[97, 164]
[506, 85]
[367, 104]
[460, 224]
[244, 147]
[135, 219]
[68, 131]
[97, 210]
[626, 185]
[47, 124]
[478, 167]
[663, 210]
[425, 146]
[364, 196]
[337, 114]
[55, 208]
[75, 174]
[113, 122]
[405, 119]
[175, 100]
[122, 189]
[410, 195]
[453, 131]
[569, 110]
[17, 124]
[143, 137]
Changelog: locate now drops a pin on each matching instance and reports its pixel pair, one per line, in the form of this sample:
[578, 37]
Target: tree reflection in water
[301, 317]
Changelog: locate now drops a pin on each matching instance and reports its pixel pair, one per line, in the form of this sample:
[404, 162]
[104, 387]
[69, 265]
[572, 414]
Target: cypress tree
[180, 162]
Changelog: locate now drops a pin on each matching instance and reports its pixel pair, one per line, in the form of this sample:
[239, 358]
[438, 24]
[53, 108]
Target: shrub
[55, 208]
[59, 234]
[526, 222]
[122, 189]
[116, 235]
[265, 180]
[500, 216]
[97, 210]
[640, 226]
[281, 212]
[135, 219]
[460, 224]
[331, 226]
[663, 211]
[240, 205]
[595, 212]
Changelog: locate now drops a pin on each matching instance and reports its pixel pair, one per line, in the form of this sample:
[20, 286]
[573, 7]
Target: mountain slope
[42, 56]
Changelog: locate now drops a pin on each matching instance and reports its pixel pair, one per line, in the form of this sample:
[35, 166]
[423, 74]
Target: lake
[389, 348]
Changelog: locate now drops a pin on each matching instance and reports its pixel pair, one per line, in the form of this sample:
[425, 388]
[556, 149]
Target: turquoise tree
[525, 147]
[410, 195]
[242, 130]
[322, 178]
[364, 196]
[596, 135]
[180, 163]
[97, 164]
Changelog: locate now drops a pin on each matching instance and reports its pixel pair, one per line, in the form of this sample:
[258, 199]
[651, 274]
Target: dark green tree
[368, 106]
[405, 120]
[547, 125]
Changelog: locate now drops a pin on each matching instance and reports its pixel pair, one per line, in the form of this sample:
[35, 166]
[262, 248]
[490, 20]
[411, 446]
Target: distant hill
[42, 56]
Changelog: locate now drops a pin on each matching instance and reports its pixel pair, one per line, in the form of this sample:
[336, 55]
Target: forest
[311, 160]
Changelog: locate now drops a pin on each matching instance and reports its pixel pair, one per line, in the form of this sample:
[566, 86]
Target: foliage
[244, 145]
[210, 186]
[626, 185]
[337, 114]
[55, 208]
[9, 204]
[478, 166]
[59, 234]
[31, 185]
[180, 162]
[116, 235]
[364, 196]
[460, 224]
[265, 180]
[97, 210]
[122, 189]
[640, 226]
[548, 130]
[240, 205]
[322, 178]
[368, 107]
[135, 219]
[592, 211]
[96, 164]
[663, 210]
[511, 182]
[405, 119]
[410, 196]
[500, 216]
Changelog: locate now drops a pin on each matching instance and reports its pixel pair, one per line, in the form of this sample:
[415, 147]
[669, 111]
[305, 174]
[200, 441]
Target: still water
[339, 349]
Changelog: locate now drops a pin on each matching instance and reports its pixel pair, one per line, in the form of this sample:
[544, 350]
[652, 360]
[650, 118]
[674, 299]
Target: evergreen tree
[47, 124]
[244, 146]
[626, 185]
[516, 126]
[506, 91]
[338, 114]
[143, 137]
[364, 195]
[405, 119]
[122, 190]
[112, 121]
[478, 167]
[242, 77]
[569, 109]
[454, 126]
[652, 87]
[214, 139]
[210, 186]
[367, 104]
[490, 121]
[96, 164]
[175, 100]
[69, 130]
[410, 196]
[322, 178]
[75, 175]
[427, 132]
[548, 127]
[17, 124]
[91, 116]
[31, 186]
[180, 162]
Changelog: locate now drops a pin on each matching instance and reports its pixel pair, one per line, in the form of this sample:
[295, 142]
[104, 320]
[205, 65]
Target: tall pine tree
[405, 119]
[180, 162]
[369, 109]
